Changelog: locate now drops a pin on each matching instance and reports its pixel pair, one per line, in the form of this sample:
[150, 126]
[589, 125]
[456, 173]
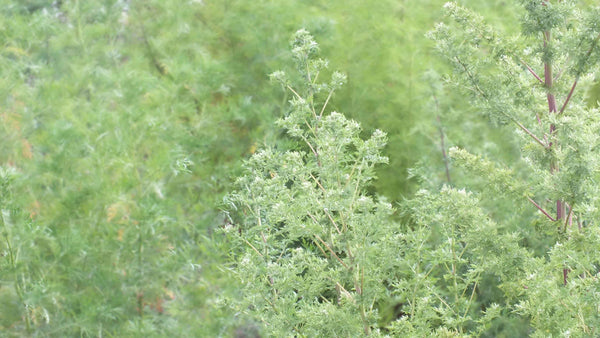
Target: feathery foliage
[516, 256]
[307, 229]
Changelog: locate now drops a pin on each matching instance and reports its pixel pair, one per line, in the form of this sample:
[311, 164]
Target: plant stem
[569, 218]
[587, 56]
[332, 221]
[325, 104]
[569, 96]
[541, 209]
[252, 246]
[560, 208]
[332, 252]
[359, 291]
[528, 132]
[532, 71]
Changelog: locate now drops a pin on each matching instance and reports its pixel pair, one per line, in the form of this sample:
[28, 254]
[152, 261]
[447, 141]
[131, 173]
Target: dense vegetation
[125, 124]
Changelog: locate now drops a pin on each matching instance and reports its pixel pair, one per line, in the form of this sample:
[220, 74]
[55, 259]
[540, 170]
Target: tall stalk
[548, 82]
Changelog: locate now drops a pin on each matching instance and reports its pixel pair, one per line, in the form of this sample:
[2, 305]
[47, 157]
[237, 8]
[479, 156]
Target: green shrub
[123, 121]
[310, 230]
[558, 150]
[318, 255]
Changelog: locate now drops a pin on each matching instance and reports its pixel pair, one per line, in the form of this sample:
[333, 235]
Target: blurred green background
[124, 123]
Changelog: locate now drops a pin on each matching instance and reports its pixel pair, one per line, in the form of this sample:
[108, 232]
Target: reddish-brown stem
[587, 55]
[560, 208]
[532, 71]
[541, 209]
[531, 134]
[569, 218]
[569, 96]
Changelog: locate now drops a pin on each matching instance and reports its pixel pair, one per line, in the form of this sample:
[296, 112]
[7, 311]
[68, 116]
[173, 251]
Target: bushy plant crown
[309, 228]
[319, 255]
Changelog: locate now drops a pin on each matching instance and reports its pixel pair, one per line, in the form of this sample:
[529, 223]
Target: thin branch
[313, 150]
[541, 209]
[344, 292]
[312, 217]
[316, 76]
[587, 56]
[517, 122]
[443, 302]
[252, 246]
[332, 221]
[293, 91]
[325, 299]
[326, 102]
[316, 222]
[531, 71]
[312, 130]
[345, 227]
[568, 220]
[318, 183]
[263, 237]
[470, 299]
[472, 78]
[320, 248]
[530, 134]
[281, 255]
[332, 252]
[271, 303]
[569, 96]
